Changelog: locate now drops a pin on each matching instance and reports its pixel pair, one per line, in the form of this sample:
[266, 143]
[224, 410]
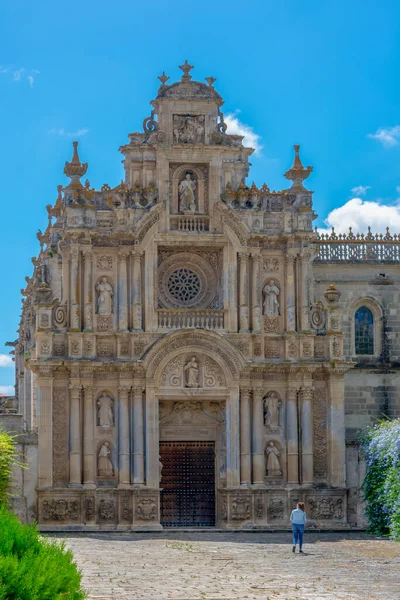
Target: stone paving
[252, 566]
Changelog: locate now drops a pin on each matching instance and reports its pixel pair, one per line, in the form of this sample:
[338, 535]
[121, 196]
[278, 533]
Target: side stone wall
[24, 481]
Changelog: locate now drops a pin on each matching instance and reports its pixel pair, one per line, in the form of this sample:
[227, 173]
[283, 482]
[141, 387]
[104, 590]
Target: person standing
[298, 519]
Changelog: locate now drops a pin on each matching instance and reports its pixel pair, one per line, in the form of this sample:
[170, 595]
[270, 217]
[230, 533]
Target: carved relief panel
[192, 371]
[188, 129]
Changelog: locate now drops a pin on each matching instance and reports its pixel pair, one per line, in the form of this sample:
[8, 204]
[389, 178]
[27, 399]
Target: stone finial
[186, 68]
[332, 295]
[163, 78]
[75, 169]
[297, 173]
[210, 81]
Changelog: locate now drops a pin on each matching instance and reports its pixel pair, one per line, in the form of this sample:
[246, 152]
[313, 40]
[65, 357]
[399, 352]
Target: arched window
[364, 331]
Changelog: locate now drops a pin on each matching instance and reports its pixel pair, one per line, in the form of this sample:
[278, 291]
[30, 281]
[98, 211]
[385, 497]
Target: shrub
[34, 568]
[381, 448]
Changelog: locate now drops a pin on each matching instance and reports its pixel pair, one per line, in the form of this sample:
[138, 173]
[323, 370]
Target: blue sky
[320, 73]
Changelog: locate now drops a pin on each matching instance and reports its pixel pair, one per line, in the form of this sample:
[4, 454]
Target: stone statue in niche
[188, 129]
[187, 200]
[105, 297]
[271, 301]
[191, 370]
[105, 414]
[105, 466]
[271, 408]
[273, 463]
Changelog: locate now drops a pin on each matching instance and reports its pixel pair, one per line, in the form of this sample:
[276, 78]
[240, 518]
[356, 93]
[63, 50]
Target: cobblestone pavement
[213, 566]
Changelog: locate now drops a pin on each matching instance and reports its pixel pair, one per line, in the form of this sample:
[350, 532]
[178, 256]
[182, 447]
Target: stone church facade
[191, 353]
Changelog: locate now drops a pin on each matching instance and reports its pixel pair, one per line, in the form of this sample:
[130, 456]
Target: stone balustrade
[190, 223]
[178, 319]
[358, 247]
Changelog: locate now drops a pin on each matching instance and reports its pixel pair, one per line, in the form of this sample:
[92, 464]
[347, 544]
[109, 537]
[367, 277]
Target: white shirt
[298, 517]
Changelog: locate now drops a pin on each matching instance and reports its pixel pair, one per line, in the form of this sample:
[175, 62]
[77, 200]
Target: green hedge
[381, 448]
[34, 568]
[31, 567]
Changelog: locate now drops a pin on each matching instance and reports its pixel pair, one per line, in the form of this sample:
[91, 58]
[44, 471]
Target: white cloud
[388, 136]
[8, 390]
[20, 74]
[360, 214]
[62, 132]
[360, 190]
[236, 127]
[6, 360]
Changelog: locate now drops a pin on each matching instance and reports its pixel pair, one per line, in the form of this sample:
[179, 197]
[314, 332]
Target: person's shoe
[294, 549]
[301, 551]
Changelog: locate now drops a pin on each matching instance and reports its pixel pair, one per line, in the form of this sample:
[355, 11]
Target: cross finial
[186, 68]
[163, 78]
[210, 80]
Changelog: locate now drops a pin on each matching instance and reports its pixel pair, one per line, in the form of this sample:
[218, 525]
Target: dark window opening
[364, 331]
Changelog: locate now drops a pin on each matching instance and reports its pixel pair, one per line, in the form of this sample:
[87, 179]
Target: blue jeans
[298, 532]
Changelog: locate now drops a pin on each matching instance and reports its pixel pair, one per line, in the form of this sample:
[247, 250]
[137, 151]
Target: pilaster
[75, 454]
[258, 436]
[245, 439]
[124, 437]
[243, 292]
[255, 294]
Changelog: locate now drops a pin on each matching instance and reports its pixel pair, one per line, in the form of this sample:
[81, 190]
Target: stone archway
[192, 399]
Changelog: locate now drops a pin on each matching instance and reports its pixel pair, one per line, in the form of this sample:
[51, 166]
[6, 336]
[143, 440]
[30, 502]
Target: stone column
[124, 446]
[75, 454]
[232, 439]
[75, 290]
[243, 292]
[88, 436]
[88, 292]
[290, 294]
[137, 290]
[305, 291]
[336, 431]
[123, 293]
[138, 436]
[258, 436]
[307, 458]
[152, 440]
[292, 433]
[255, 294]
[44, 391]
[245, 439]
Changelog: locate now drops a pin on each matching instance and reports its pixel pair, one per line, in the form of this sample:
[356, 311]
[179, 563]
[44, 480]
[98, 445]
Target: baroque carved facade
[173, 321]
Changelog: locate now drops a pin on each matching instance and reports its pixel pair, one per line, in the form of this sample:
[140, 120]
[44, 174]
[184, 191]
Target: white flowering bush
[381, 448]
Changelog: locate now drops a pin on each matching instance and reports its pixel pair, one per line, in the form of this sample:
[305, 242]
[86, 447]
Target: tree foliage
[8, 459]
[381, 448]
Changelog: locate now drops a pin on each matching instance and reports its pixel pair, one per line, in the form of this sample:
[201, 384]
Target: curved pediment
[190, 343]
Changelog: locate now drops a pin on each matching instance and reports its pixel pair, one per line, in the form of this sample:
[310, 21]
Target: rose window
[184, 285]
